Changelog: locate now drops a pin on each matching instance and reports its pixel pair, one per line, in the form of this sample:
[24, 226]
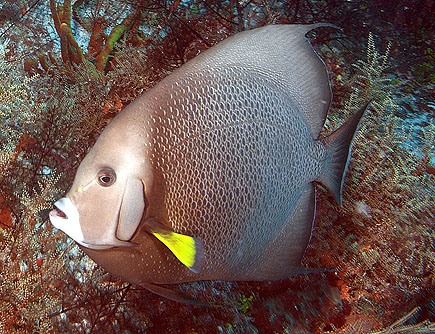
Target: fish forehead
[234, 153]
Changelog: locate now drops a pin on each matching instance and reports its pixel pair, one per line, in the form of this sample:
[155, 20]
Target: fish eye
[106, 177]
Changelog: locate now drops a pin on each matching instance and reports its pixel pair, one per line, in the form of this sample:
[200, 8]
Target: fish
[211, 174]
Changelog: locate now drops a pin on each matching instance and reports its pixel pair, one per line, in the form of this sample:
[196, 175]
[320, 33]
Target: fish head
[107, 200]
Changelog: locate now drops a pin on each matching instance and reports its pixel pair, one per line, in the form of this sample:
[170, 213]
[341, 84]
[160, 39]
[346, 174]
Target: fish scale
[270, 143]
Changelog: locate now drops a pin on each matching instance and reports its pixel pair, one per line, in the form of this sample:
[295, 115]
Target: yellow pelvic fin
[188, 250]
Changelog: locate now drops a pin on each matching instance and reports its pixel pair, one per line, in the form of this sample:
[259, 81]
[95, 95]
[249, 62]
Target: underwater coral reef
[58, 92]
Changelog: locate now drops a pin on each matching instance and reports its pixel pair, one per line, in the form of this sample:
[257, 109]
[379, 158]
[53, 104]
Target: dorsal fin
[282, 53]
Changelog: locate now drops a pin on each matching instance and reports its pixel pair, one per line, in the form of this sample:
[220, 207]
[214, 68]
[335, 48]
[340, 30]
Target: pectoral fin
[188, 250]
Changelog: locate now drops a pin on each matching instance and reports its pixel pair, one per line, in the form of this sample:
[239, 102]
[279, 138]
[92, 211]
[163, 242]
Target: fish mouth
[60, 209]
[58, 213]
[65, 217]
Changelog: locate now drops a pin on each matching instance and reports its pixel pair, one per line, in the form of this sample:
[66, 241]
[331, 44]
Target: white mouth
[66, 218]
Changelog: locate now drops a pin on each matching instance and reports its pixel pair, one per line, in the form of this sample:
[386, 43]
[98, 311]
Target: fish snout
[66, 217]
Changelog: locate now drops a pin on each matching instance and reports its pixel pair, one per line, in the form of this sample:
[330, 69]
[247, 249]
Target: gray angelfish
[210, 174]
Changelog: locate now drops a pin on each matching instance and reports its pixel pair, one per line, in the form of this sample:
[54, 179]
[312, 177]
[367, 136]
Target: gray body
[227, 150]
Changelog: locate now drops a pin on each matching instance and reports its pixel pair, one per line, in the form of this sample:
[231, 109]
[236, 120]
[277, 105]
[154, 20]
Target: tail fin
[338, 154]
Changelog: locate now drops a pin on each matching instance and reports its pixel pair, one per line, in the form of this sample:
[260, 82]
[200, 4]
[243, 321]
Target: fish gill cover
[381, 242]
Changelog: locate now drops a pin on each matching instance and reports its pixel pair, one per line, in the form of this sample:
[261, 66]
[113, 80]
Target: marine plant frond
[407, 325]
[370, 81]
[43, 196]
[29, 266]
[14, 92]
[6, 152]
[126, 74]
[375, 63]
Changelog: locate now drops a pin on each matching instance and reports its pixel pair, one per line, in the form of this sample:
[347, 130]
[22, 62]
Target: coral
[383, 238]
[47, 124]
[70, 49]
[28, 256]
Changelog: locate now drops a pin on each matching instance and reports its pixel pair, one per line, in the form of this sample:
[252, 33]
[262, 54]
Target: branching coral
[48, 122]
[28, 267]
[383, 238]
[71, 51]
